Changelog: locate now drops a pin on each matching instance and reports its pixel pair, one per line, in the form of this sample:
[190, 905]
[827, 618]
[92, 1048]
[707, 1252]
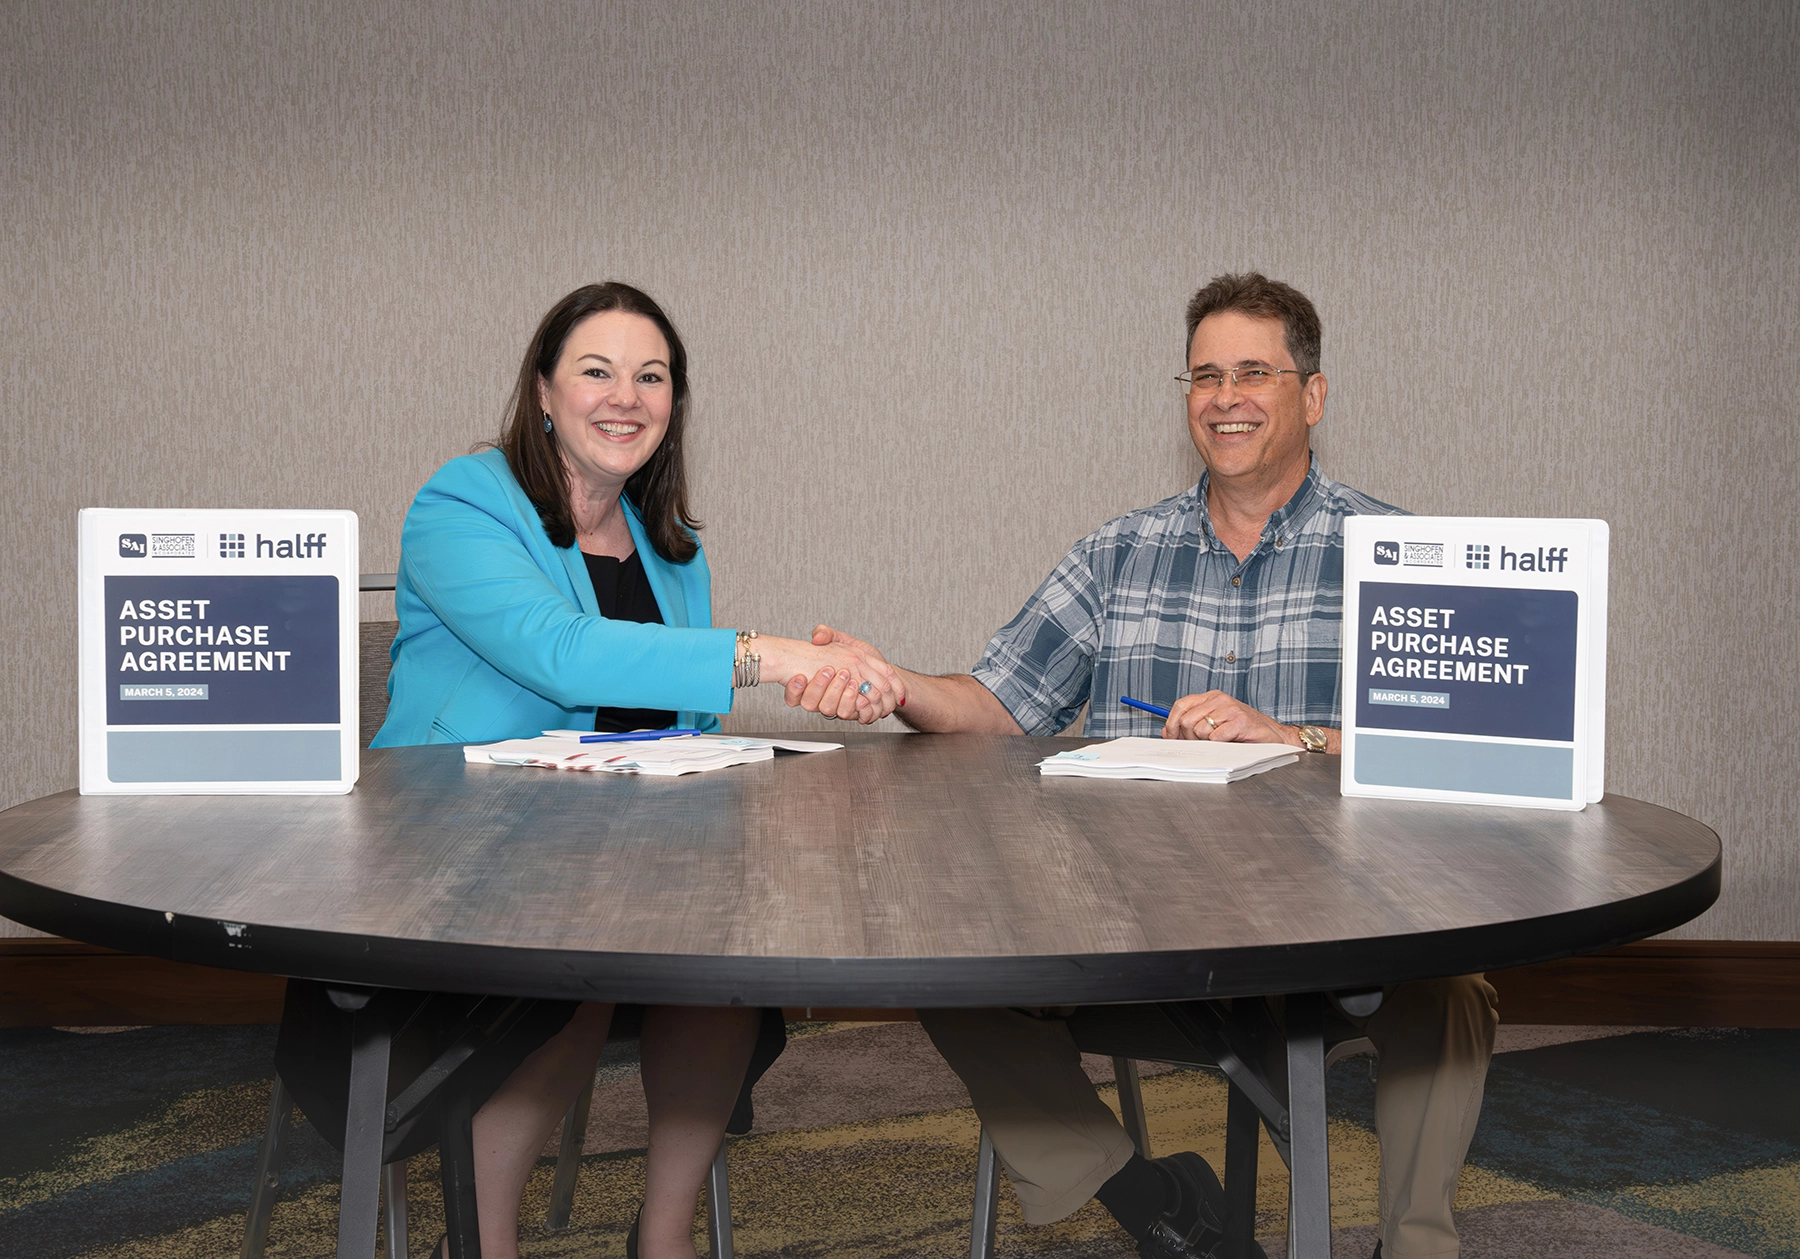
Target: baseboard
[47, 982]
[1660, 983]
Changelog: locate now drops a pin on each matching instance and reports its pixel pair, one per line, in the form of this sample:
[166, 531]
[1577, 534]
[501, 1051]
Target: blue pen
[637, 736]
[1138, 703]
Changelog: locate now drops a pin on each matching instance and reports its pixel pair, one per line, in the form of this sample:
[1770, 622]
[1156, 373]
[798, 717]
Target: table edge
[891, 982]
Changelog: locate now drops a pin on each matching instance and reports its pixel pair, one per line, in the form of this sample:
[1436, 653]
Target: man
[1224, 602]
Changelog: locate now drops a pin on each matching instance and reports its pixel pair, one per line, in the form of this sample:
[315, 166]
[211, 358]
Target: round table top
[906, 870]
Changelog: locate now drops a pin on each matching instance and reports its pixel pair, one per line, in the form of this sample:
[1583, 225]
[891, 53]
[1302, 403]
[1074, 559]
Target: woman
[555, 580]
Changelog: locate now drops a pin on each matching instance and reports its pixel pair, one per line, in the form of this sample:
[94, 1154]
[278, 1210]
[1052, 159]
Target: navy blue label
[258, 650]
[1467, 660]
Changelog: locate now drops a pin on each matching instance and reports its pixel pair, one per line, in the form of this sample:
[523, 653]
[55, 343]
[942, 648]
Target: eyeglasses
[1207, 381]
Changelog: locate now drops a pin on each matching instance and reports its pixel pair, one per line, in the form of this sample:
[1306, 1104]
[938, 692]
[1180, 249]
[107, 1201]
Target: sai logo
[231, 546]
[134, 546]
[1387, 552]
[1476, 555]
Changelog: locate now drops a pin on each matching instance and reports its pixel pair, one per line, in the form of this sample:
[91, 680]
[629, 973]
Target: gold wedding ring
[1212, 723]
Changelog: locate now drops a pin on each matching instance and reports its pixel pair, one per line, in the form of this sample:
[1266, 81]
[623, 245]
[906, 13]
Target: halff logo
[231, 546]
[1552, 559]
[294, 548]
[134, 546]
[1387, 552]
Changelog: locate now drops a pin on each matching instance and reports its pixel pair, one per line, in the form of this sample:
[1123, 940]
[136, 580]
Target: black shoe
[1194, 1224]
[1163, 1242]
[1377, 1254]
[631, 1237]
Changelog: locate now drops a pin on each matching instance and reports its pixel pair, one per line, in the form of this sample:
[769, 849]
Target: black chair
[1172, 1034]
[429, 1101]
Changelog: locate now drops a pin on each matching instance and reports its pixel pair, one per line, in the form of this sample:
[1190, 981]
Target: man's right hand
[839, 669]
[827, 691]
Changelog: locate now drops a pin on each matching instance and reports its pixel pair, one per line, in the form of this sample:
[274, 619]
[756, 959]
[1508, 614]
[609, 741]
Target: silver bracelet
[746, 667]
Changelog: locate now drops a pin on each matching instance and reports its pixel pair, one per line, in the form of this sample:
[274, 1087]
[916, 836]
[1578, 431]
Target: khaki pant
[1059, 1142]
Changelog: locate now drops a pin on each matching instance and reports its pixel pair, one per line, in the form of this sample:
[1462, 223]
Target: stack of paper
[1169, 760]
[691, 754]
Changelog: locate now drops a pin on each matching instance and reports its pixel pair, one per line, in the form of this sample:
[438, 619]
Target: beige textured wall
[930, 260]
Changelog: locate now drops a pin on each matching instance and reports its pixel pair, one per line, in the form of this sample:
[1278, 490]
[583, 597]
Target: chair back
[372, 694]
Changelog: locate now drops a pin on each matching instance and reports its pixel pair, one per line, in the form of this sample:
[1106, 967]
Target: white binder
[218, 651]
[1475, 659]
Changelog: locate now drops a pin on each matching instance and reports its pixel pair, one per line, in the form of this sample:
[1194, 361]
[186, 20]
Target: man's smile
[1235, 426]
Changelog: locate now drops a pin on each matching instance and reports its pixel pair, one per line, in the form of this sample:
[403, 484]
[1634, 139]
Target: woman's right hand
[829, 673]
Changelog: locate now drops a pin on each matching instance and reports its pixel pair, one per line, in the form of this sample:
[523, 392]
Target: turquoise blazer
[501, 638]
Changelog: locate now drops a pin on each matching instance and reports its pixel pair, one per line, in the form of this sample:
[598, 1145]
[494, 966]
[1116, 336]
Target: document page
[686, 754]
[1169, 760]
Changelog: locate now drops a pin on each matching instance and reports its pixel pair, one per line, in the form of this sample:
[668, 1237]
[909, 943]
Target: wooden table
[906, 871]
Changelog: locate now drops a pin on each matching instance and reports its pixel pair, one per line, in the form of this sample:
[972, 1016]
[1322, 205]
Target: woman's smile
[609, 399]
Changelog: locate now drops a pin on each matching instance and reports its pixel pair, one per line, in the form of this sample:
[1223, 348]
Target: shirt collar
[1283, 521]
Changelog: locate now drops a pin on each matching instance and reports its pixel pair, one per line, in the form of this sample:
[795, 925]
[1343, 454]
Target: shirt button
[1231, 657]
[1237, 581]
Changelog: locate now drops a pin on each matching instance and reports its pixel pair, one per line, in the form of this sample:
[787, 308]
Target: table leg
[1309, 1212]
[268, 1172]
[1243, 1130]
[456, 1162]
[1234, 1039]
[359, 1201]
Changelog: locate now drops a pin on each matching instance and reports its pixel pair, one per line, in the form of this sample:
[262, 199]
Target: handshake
[834, 675]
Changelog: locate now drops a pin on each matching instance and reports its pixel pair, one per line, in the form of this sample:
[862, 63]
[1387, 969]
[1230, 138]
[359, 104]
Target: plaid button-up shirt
[1154, 606]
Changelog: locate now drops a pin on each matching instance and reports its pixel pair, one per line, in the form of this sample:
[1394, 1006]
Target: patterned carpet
[1596, 1142]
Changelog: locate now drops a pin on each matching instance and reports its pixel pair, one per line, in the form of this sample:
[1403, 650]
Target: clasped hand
[832, 688]
[827, 676]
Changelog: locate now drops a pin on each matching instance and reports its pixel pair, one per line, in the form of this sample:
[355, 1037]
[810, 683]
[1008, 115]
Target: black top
[624, 594]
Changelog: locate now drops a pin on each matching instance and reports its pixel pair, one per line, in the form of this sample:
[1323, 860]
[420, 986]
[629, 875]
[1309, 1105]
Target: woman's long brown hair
[658, 489]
